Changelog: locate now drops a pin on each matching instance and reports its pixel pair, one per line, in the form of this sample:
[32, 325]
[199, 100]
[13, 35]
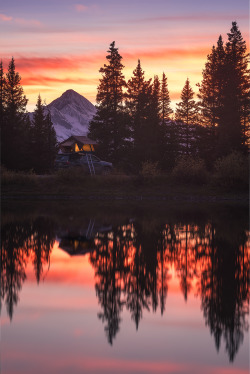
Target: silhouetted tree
[109, 126]
[43, 145]
[186, 112]
[210, 95]
[2, 99]
[142, 101]
[234, 122]
[165, 101]
[12, 131]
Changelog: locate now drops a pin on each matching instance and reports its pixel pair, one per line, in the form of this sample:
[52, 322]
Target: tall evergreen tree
[165, 101]
[2, 87]
[109, 126]
[186, 112]
[51, 142]
[210, 104]
[43, 139]
[12, 135]
[235, 100]
[142, 101]
[169, 138]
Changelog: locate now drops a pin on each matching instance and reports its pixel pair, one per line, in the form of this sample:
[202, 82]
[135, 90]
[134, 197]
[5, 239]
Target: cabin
[77, 143]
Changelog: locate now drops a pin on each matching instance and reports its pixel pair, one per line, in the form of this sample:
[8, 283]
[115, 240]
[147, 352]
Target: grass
[73, 184]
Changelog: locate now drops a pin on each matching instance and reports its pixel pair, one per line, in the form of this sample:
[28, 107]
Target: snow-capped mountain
[71, 114]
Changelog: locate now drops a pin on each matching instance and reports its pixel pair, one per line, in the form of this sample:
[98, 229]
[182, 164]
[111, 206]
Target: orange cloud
[51, 81]
[168, 53]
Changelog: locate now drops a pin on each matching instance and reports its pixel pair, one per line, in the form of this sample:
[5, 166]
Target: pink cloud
[194, 17]
[20, 21]
[5, 18]
[27, 22]
[81, 8]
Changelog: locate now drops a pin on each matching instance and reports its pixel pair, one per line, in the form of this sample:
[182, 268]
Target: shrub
[149, 169]
[9, 177]
[72, 175]
[232, 171]
[190, 170]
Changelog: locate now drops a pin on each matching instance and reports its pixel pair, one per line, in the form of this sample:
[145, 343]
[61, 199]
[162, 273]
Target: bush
[72, 175]
[190, 170]
[9, 177]
[149, 169]
[232, 171]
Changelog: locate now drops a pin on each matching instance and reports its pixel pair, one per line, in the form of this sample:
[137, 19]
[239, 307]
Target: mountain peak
[72, 98]
[71, 92]
[71, 114]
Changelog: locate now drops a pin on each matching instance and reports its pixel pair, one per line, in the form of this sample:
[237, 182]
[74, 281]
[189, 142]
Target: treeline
[25, 144]
[135, 123]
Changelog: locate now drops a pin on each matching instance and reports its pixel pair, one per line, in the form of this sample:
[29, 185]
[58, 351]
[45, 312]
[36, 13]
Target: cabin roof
[79, 139]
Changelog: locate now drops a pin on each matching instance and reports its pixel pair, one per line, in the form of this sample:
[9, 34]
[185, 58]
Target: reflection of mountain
[131, 260]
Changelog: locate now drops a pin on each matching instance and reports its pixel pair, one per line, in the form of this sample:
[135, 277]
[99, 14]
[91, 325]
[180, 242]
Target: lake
[91, 287]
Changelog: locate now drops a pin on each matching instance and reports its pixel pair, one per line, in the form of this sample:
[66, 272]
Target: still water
[89, 288]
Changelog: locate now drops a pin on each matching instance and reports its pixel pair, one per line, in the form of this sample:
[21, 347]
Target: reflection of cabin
[76, 144]
[77, 245]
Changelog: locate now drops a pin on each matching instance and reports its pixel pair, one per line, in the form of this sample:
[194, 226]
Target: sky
[62, 44]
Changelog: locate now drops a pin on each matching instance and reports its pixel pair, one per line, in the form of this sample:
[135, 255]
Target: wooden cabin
[77, 143]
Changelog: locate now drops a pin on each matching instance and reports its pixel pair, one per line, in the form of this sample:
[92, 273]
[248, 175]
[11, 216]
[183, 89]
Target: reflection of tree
[141, 282]
[225, 289]
[132, 263]
[18, 241]
[108, 260]
[42, 243]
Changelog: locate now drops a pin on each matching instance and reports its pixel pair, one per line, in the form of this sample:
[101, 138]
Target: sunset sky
[61, 44]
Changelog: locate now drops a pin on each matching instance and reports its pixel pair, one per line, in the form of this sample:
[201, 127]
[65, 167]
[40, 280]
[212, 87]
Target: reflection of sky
[55, 329]
[61, 44]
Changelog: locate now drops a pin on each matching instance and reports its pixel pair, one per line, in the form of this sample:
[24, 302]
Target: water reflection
[133, 260]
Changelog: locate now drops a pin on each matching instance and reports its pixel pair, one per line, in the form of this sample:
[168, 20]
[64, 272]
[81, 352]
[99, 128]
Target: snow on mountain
[71, 114]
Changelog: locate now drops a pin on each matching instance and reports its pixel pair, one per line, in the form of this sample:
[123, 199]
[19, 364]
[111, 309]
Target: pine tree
[165, 101]
[50, 142]
[2, 89]
[142, 102]
[235, 99]
[186, 112]
[38, 137]
[210, 104]
[169, 139]
[109, 126]
[12, 135]
[154, 122]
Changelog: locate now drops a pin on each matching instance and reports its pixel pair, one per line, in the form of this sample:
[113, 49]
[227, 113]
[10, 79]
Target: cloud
[20, 21]
[27, 22]
[81, 8]
[5, 18]
[63, 63]
[52, 81]
[167, 54]
[194, 17]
